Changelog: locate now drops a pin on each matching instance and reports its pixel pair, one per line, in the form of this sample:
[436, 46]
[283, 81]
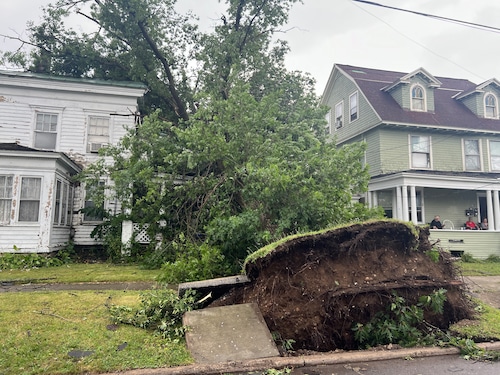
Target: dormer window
[490, 106]
[417, 98]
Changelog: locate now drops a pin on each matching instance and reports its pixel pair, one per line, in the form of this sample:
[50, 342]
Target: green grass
[80, 273]
[38, 330]
[486, 327]
[480, 268]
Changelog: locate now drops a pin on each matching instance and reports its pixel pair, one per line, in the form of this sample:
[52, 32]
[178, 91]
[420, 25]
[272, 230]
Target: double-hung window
[5, 198]
[353, 107]
[490, 106]
[420, 151]
[62, 203]
[339, 115]
[94, 202]
[417, 98]
[495, 155]
[98, 133]
[472, 155]
[29, 200]
[46, 131]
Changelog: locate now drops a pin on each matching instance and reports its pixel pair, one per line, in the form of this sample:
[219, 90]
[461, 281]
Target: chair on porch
[448, 224]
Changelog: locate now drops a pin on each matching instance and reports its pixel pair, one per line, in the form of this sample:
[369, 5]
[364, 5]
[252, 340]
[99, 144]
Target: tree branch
[179, 107]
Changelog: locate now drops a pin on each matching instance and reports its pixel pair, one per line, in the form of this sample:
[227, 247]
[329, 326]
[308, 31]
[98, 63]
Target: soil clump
[314, 288]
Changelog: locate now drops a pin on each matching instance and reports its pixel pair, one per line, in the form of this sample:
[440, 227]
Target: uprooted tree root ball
[314, 288]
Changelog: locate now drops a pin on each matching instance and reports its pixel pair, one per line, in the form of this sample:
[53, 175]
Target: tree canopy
[233, 150]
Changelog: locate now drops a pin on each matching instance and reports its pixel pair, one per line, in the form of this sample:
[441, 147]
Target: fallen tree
[315, 288]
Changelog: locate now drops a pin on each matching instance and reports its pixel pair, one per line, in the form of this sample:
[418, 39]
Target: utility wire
[460, 22]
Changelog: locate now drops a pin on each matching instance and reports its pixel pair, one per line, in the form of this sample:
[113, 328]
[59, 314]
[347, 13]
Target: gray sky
[324, 32]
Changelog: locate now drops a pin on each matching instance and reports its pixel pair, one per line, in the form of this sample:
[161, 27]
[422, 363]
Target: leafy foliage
[161, 311]
[20, 261]
[193, 262]
[400, 323]
[233, 153]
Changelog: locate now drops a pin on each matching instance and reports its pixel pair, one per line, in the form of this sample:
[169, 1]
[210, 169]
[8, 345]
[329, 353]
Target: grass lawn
[480, 268]
[80, 273]
[40, 330]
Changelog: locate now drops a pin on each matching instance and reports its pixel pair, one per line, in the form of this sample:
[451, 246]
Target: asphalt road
[448, 364]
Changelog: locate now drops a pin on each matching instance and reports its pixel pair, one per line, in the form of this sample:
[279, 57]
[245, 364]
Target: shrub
[468, 258]
[23, 261]
[194, 262]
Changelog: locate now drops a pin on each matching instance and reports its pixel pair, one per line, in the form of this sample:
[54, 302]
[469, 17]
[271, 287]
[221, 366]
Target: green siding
[480, 244]
[388, 150]
[342, 89]
[394, 151]
[373, 148]
[402, 93]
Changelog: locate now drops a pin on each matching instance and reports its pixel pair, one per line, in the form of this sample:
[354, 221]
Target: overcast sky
[324, 32]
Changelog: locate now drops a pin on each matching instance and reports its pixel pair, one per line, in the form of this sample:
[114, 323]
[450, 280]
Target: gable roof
[449, 112]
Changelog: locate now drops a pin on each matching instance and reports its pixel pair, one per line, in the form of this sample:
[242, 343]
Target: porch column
[369, 199]
[495, 218]
[489, 207]
[399, 204]
[394, 204]
[404, 197]
[413, 201]
[375, 198]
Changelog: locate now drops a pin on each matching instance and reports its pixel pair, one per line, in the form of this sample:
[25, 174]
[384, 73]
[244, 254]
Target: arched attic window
[490, 106]
[418, 98]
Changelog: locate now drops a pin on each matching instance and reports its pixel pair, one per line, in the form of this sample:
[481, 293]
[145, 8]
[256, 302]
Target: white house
[50, 129]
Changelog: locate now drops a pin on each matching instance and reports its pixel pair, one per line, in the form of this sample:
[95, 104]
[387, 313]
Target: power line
[446, 19]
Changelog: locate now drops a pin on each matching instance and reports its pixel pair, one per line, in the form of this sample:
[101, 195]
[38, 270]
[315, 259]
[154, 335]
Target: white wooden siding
[20, 98]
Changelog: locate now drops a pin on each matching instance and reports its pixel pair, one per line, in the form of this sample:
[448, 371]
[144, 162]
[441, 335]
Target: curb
[302, 361]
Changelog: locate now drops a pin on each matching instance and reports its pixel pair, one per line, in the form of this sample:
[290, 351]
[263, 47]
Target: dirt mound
[313, 288]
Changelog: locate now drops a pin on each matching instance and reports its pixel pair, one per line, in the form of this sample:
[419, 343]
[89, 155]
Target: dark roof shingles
[449, 112]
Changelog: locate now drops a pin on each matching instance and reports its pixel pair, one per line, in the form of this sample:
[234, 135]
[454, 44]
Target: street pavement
[437, 365]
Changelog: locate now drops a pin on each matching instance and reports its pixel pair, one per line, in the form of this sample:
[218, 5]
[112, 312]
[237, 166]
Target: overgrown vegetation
[26, 261]
[401, 324]
[233, 152]
[471, 266]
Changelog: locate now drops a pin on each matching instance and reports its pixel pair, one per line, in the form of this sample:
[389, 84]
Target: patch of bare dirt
[312, 289]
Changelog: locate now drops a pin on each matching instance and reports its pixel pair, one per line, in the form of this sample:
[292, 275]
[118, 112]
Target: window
[472, 155]
[495, 155]
[328, 126]
[29, 201]
[490, 106]
[98, 133]
[93, 211]
[417, 98]
[5, 198]
[420, 151]
[46, 131]
[339, 115]
[62, 203]
[353, 106]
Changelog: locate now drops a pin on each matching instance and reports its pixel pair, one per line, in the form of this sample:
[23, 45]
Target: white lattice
[141, 234]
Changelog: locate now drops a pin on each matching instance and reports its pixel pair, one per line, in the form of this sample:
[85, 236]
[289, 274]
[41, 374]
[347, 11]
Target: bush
[21, 261]
[493, 259]
[468, 258]
[194, 262]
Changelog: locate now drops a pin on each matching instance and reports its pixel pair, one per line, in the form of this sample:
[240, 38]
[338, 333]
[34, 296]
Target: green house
[433, 148]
